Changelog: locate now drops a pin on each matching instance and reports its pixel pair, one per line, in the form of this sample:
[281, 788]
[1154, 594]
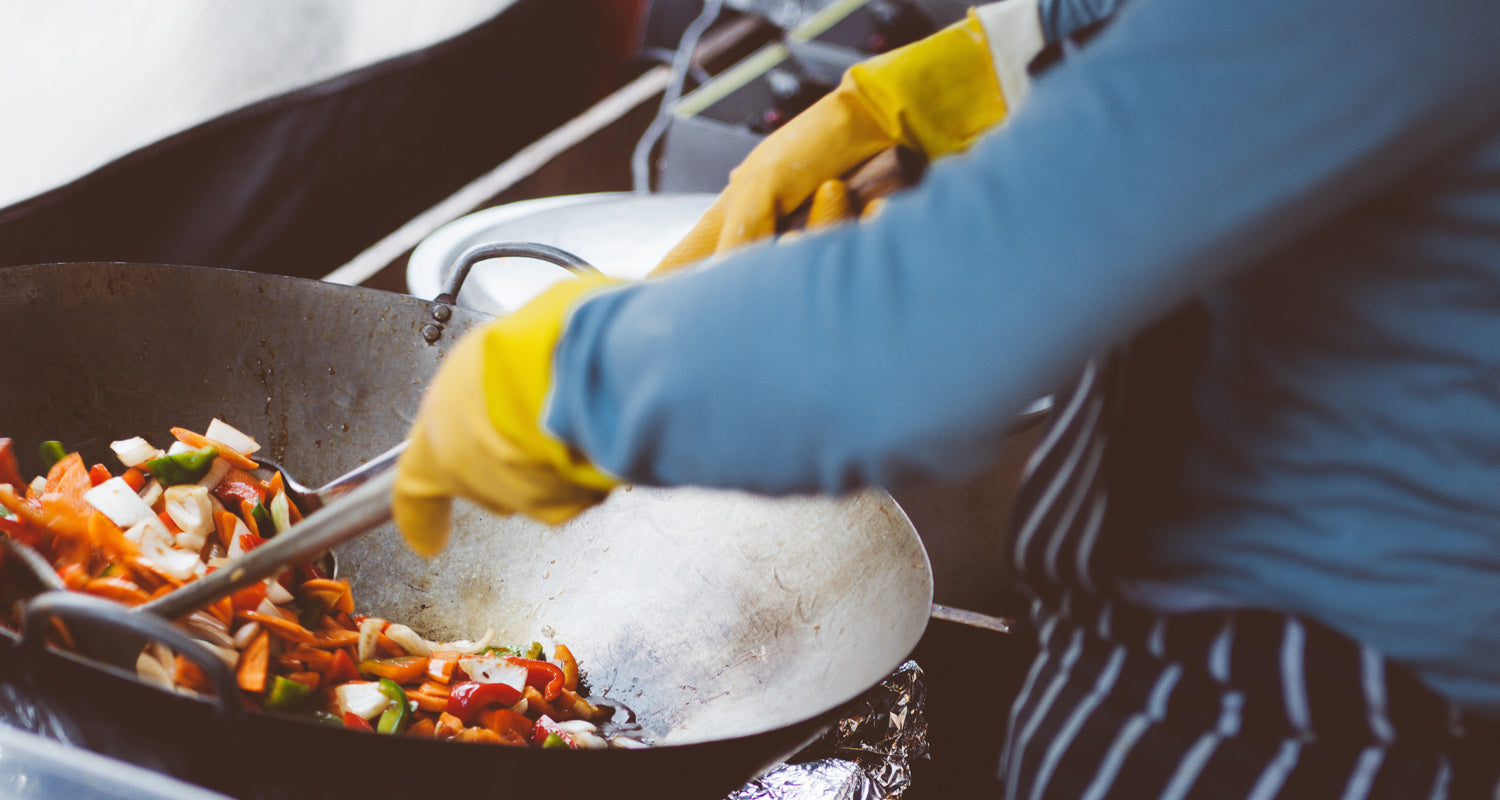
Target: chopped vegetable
[397, 716]
[185, 467]
[119, 502]
[291, 640]
[467, 699]
[231, 437]
[285, 694]
[362, 698]
[134, 452]
[51, 451]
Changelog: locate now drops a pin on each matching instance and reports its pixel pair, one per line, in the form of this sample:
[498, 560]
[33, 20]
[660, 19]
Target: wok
[734, 626]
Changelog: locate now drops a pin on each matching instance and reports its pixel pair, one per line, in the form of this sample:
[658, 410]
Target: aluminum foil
[866, 754]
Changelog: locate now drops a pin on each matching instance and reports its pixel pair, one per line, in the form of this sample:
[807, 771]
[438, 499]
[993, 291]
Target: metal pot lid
[623, 234]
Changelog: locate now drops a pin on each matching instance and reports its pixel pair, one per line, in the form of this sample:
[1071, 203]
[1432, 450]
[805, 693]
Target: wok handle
[361, 509]
[443, 304]
[75, 606]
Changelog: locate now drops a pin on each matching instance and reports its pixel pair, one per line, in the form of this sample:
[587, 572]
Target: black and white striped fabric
[1124, 702]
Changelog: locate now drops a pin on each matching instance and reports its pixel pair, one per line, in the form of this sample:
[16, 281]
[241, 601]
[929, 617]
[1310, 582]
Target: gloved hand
[935, 96]
[478, 433]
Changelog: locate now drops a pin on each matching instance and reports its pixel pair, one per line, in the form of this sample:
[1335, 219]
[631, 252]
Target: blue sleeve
[1188, 140]
[1063, 18]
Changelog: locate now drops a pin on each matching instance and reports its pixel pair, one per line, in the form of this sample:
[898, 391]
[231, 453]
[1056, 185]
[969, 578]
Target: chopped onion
[466, 647]
[231, 437]
[409, 640]
[281, 512]
[488, 669]
[149, 669]
[362, 698]
[277, 593]
[188, 506]
[152, 492]
[369, 635]
[215, 474]
[115, 499]
[246, 632]
[237, 545]
[179, 447]
[149, 531]
[135, 451]
[39, 484]
[583, 734]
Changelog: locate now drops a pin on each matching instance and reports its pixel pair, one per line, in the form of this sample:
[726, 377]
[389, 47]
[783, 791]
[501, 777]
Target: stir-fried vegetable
[297, 644]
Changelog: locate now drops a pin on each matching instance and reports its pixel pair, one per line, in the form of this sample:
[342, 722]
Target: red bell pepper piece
[547, 677]
[231, 493]
[466, 700]
[99, 474]
[10, 470]
[356, 722]
[342, 670]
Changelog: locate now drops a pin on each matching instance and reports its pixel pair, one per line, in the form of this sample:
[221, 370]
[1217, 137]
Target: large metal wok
[733, 626]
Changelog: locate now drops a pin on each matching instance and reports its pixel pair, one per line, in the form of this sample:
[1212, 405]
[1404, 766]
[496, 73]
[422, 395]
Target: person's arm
[1190, 139]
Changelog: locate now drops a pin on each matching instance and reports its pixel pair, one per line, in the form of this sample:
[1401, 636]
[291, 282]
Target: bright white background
[83, 82]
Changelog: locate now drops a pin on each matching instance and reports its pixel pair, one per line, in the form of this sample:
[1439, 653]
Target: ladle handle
[345, 517]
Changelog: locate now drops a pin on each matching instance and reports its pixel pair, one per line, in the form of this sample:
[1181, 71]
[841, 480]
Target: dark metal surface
[735, 626]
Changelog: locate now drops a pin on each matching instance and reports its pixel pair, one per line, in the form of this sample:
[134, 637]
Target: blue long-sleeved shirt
[1325, 174]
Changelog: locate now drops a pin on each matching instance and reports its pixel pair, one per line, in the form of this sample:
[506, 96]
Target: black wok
[734, 626]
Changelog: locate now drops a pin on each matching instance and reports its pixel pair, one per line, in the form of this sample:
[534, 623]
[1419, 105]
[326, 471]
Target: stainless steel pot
[733, 625]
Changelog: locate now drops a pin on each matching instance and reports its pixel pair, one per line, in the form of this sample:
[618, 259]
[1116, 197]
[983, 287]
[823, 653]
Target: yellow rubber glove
[478, 433]
[936, 96]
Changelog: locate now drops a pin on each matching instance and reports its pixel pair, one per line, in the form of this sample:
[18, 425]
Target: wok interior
[711, 614]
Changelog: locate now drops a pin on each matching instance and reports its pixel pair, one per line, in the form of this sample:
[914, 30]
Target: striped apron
[1125, 702]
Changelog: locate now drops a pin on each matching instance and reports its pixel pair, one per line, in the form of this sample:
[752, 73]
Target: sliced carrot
[233, 456]
[569, 665]
[436, 703]
[247, 515]
[74, 576]
[503, 721]
[224, 525]
[118, 589]
[477, 734]
[448, 726]
[281, 627]
[401, 669]
[440, 665]
[255, 663]
[222, 610]
[110, 540]
[422, 729]
[134, 478]
[337, 638]
[191, 675]
[311, 680]
[537, 703]
[314, 657]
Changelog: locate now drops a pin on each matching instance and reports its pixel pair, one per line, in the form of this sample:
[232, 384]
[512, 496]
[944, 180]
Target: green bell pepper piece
[396, 716]
[285, 694]
[553, 741]
[328, 718]
[264, 524]
[51, 451]
[188, 467]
